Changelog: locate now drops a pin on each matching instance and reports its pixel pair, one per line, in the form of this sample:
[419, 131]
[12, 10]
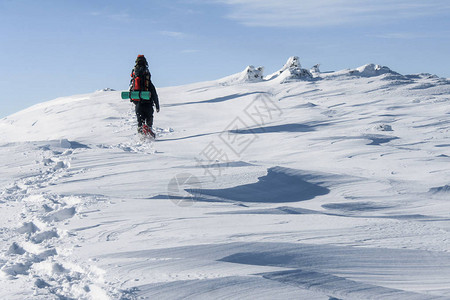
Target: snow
[250, 74]
[291, 70]
[332, 185]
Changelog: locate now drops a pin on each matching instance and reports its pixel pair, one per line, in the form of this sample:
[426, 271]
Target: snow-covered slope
[332, 186]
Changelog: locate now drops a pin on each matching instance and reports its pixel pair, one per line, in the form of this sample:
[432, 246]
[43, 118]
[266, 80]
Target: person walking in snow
[141, 81]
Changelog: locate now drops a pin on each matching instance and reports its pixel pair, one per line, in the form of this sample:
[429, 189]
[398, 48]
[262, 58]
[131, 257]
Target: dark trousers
[144, 113]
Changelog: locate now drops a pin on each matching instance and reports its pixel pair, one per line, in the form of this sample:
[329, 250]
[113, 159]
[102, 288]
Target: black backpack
[140, 75]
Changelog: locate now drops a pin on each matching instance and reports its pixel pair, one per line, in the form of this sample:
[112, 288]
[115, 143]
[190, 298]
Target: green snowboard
[136, 95]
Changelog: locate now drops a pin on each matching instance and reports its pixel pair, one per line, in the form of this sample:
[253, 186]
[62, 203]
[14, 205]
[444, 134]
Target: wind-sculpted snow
[278, 186]
[441, 190]
[316, 271]
[297, 185]
[279, 128]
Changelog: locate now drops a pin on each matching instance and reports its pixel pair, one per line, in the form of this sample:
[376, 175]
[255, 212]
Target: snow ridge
[293, 71]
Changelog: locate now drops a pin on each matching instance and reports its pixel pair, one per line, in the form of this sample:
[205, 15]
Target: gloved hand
[157, 110]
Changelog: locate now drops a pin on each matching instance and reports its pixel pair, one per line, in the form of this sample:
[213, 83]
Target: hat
[140, 60]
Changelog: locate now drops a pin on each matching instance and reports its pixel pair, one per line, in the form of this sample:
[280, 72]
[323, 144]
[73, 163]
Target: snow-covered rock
[293, 62]
[368, 70]
[315, 70]
[371, 70]
[106, 90]
[250, 74]
[292, 70]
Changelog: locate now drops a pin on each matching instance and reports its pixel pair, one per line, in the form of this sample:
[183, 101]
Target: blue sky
[53, 48]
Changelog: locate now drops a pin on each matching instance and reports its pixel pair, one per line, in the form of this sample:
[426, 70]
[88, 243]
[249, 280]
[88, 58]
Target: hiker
[141, 81]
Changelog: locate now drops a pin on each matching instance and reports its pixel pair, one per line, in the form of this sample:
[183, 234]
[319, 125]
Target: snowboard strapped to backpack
[140, 78]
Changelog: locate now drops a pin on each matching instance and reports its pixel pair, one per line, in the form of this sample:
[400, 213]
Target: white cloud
[120, 16]
[401, 35]
[174, 34]
[412, 35]
[311, 13]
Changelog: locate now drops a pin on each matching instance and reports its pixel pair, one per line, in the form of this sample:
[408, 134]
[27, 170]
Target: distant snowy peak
[250, 74]
[291, 70]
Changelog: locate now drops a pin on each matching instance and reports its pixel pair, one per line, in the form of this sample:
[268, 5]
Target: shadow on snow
[278, 186]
